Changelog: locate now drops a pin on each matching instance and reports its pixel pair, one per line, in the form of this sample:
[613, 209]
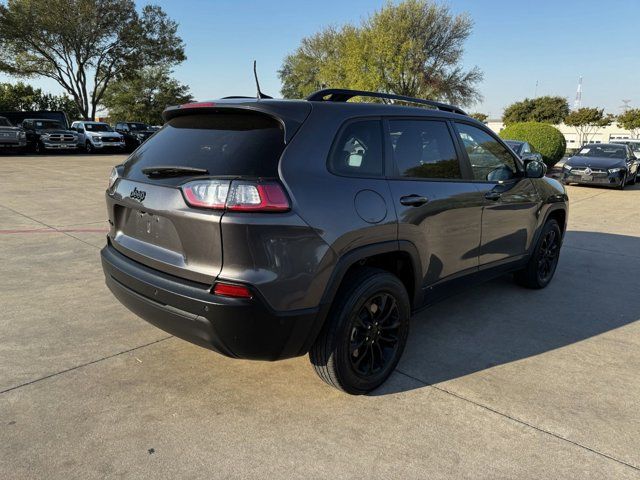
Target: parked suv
[97, 136]
[43, 134]
[11, 137]
[134, 133]
[268, 229]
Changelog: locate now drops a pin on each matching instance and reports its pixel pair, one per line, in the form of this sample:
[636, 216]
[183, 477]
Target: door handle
[491, 195]
[413, 200]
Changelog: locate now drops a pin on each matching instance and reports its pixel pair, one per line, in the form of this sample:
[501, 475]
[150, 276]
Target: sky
[515, 43]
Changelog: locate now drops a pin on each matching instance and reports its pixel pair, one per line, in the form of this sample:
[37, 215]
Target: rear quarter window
[224, 143]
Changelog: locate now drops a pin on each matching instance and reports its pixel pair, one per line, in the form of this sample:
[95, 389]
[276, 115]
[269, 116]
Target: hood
[10, 129]
[54, 131]
[104, 134]
[596, 162]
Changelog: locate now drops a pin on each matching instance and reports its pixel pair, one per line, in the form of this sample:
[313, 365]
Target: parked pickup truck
[43, 134]
[11, 137]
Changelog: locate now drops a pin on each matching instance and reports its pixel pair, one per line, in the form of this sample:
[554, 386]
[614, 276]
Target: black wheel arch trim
[552, 207]
[348, 260]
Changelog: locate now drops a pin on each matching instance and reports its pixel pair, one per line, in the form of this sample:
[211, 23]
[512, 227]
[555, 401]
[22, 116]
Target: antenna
[259, 94]
[625, 105]
[578, 101]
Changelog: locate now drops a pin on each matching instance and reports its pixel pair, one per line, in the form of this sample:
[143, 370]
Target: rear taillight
[236, 195]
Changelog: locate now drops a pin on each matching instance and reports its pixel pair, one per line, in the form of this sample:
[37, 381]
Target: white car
[95, 136]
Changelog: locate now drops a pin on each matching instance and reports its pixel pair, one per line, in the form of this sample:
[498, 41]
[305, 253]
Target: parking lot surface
[498, 382]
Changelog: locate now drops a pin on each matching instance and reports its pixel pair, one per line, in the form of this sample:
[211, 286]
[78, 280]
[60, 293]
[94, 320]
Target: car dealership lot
[497, 382]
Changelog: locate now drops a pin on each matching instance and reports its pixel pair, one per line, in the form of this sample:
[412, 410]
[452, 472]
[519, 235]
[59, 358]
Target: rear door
[438, 210]
[150, 219]
[511, 202]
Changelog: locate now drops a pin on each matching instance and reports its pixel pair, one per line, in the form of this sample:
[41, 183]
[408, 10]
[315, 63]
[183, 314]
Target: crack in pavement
[519, 421]
[76, 367]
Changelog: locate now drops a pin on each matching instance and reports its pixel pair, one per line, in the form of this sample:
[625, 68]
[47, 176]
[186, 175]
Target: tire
[360, 346]
[38, 148]
[543, 262]
[635, 179]
[88, 147]
[623, 183]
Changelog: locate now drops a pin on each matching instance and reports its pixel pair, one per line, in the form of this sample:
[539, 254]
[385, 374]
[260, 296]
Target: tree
[630, 120]
[145, 96]
[587, 121]
[542, 109]
[481, 117]
[23, 97]
[412, 48]
[85, 44]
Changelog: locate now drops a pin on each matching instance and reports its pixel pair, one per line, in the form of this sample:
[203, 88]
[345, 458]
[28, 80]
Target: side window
[358, 150]
[423, 149]
[490, 161]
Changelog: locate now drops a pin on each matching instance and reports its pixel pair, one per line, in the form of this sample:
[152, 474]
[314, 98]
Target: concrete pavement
[499, 382]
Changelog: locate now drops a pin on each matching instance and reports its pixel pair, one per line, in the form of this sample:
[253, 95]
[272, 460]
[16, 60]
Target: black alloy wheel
[375, 335]
[543, 261]
[365, 332]
[548, 255]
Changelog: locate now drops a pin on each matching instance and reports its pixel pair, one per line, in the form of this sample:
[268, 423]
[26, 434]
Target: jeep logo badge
[138, 194]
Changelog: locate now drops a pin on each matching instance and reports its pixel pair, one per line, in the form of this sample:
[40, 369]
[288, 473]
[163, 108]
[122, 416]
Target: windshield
[4, 122]
[97, 127]
[515, 146]
[603, 151]
[47, 124]
[137, 126]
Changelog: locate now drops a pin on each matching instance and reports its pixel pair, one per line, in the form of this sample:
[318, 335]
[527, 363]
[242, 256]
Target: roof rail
[343, 95]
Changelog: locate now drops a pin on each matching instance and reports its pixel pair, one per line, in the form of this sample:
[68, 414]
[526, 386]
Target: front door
[511, 201]
[438, 210]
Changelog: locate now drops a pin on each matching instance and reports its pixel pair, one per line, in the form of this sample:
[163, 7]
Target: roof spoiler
[290, 116]
[344, 95]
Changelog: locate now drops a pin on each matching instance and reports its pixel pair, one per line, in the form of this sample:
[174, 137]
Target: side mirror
[528, 156]
[534, 169]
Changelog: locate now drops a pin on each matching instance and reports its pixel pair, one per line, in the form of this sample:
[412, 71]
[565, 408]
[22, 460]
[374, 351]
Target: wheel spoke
[388, 313]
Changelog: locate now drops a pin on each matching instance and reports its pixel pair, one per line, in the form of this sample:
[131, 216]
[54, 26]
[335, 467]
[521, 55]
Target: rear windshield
[229, 143]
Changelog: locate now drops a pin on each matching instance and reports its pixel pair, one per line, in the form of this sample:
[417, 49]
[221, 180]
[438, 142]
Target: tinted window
[358, 150]
[47, 124]
[489, 159]
[423, 149]
[137, 126]
[223, 143]
[4, 122]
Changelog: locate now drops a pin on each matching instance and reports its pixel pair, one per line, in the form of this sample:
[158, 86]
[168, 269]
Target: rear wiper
[173, 171]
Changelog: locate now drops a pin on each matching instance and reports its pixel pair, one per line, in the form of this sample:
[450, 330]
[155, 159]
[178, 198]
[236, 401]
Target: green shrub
[544, 138]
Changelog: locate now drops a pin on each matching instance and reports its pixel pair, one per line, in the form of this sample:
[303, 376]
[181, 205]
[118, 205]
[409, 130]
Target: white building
[602, 135]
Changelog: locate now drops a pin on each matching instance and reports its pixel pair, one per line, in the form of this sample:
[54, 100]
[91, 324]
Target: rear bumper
[233, 327]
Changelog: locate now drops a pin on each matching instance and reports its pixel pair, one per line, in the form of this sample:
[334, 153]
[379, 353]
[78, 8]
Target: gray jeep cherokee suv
[268, 229]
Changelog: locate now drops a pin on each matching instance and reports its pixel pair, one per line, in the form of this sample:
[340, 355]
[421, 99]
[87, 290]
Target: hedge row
[544, 138]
